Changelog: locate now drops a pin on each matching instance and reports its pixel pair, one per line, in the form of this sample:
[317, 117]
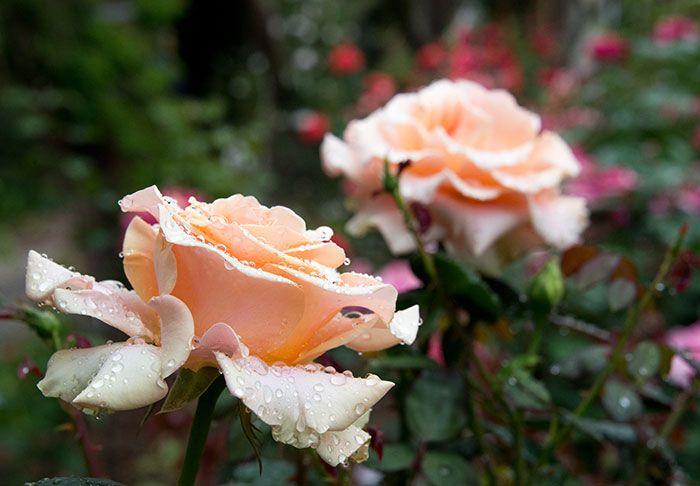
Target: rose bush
[234, 285]
[478, 162]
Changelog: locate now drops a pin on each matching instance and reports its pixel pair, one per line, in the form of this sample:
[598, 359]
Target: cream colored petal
[43, 276]
[477, 224]
[69, 371]
[129, 378]
[147, 200]
[403, 328]
[177, 331]
[301, 402]
[560, 220]
[423, 189]
[337, 447]
[111, 303]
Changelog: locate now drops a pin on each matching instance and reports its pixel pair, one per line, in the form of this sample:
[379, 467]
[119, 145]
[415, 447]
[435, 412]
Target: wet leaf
[575, 257]
[188, 386]
[446, 468]
[603, 429]
[621, 293]
[396, 457]
[597, 270]
[644, 360]
[433, 411]
[74, 482]
[622, 402]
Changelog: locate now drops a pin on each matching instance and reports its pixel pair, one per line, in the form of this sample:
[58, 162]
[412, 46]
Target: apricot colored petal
[263, 308]
[129, 378]
[112, 304]
[301, 402]
[69, 371]
[479, 225]
[560, 220]
[403, 328]
[487, 159]
[423, 189]
[165, 265]
[550, 161]
[43, 276]
[219, 337]
[139, 244]
[325, 253]
[336, 156]
[323, 300]
[176, 332]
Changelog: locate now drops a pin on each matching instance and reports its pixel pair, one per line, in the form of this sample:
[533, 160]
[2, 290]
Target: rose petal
[146, 200]
[177, 331]
[337, 447]
[43, 276]
[70, 370]
[478, 225]
[559, 219]
[323, 300]
[403, 328]
[113, 305]
[219, 337]
[423, 189]
[129, 378]
[300, 403]
[139, 243]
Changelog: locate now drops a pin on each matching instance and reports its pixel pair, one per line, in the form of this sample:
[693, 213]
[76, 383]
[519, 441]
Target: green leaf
[403, 362]
[587, 361]
[622, 402]
[74, 482]
[644, 361]
[465, 286]
[621, 293]
[602, 429]
[522, 387]
[433, 411]
[396, 457]
[188, 386]
[446, 468]
[274, 472]
[547, 287]
[597, 269]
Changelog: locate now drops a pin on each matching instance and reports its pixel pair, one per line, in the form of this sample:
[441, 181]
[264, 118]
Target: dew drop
[338, 380]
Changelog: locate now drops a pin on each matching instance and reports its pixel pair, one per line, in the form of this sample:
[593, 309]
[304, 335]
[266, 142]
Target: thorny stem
[618, 352]
[392, 186]
[677, 410]
[86, 446]
[199, 432]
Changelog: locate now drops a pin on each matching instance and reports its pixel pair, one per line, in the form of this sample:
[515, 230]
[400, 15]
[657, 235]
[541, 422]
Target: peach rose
[234, 285]
[479, 163]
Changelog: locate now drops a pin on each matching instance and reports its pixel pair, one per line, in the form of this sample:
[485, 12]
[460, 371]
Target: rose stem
[617, 356]
[199, 432]
[391, 185]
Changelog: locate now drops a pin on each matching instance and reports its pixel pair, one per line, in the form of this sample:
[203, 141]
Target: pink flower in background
[688, 199]
[480, 165]
[346, 58]
[608, 47]
[378, 89]
[544, 43]
[431, 56]
[675, 28]
[399, 274]
[688, 338]
[312, 126]
[596, 184]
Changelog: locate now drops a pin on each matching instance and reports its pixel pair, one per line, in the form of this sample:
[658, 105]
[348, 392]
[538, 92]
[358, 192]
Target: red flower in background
[608, 47]
[379, 87]
[544, 43]
[346, 58]
[675, 28]
[312, 126]
[596, 184]
[431, 56]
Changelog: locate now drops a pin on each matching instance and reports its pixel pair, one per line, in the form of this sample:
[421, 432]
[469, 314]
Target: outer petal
[177, 331]
[113, 305]
[219, 337]
[477, 224]
[300, 403]
[70, 370]
[403, 328]
[139, 243]
[130, 378]
[43, 276]
[337, 447]
[559, 219]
